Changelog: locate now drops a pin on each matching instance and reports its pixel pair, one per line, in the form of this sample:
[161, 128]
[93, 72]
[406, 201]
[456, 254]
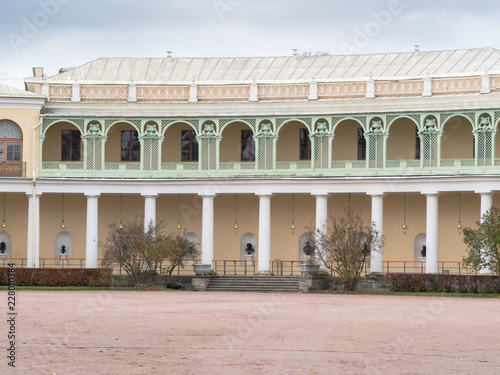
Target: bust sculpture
[308, 249]
[249, 249]
[3, 247]
[63, 249]
[424, 251]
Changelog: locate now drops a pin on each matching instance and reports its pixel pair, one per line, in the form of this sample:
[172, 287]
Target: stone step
[287, 284]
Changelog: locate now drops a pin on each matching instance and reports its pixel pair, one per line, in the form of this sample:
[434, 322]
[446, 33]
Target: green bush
[58, 276]
[413, 282]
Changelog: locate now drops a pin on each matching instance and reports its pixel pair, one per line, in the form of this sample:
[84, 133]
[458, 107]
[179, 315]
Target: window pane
[66, 135]
[75, 145]
[76, 135]
[195, 155]
[75, 155]
[125, 136]
[65, 146]
[65, 155]
[134, 136]
[361, 145]
[1, 151]
[125, 156]
[136, 155]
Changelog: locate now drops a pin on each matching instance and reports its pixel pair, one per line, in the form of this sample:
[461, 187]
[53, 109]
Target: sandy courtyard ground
[113, 332]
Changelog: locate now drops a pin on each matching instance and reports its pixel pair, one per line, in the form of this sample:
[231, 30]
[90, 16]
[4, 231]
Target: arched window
[10, 142]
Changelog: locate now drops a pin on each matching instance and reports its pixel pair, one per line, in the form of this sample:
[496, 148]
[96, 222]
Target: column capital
[320, 195]
[376, 194]
[263, 195]
[150, 195]
[483, 192]
[37, 194]
[430, 193]
[92, 195]
[207, 195]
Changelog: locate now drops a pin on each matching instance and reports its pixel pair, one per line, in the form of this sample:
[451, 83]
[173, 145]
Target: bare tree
[345, 248]
[140, 250]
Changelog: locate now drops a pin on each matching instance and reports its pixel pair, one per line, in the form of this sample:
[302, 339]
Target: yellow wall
[51, 149]
[457, 142]
[114, 142]
[401, 141]
[16, 219]
[288, 145]
[26, 119]
[171, 146]
[284, 244]
[230, 145]
[345, 143]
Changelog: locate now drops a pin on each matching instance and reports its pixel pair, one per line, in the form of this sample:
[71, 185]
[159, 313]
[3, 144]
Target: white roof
[403, 65]
[14, 92]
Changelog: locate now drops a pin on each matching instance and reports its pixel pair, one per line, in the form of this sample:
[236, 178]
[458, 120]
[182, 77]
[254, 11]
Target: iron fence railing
[225, 267]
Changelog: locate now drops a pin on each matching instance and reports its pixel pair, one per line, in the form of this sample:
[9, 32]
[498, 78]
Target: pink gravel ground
[113, 332]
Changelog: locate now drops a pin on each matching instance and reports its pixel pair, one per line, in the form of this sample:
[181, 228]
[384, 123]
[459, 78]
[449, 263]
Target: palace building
[239, 151]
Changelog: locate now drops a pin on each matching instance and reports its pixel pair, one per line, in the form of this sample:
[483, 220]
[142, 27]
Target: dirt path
[247, 333]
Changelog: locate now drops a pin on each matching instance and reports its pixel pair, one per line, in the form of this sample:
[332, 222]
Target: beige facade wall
[284, 244]
[288, 145]
[51, 150]
[230, 145]
[345, 142]
[113, 144]
[27, 120]
[171, 146]
[457, 141]
[401, 140]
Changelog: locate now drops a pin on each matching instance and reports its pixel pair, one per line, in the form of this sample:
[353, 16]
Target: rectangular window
[71, 142]
[247, 146]
[13, 151]
[361, 144]
[189, 146]
[131, 147]
[417, 145]
[305, 145]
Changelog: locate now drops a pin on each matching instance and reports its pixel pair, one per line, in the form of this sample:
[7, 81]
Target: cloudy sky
[60, 33]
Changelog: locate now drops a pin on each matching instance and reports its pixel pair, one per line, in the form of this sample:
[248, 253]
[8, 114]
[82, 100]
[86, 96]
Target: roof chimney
[38, 72]
[417, 48]
[169, 54]
[295, 51]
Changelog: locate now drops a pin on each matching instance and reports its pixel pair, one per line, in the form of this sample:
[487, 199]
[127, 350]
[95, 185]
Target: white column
[149, 210]
[432, 230]
[377, 255]
[264, 247]
[486, 204]
[33, 249]
[207, 229]
[92, 233]
[321, 227]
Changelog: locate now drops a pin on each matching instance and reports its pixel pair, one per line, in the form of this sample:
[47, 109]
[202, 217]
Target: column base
[263, 273]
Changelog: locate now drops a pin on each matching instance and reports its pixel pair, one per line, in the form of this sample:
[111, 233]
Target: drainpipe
[33, 208]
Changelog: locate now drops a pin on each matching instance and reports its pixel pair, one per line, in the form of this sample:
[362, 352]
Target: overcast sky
[60, 33]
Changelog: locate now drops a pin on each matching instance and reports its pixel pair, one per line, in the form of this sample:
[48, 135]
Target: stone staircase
[262, 284]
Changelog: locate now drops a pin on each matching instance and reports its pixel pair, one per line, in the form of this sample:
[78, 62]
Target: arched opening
[420, 249]
[248, 246]
[122, 144]
[349, 142]
[11, 150]
[193, 238]
[403, 142]
[237, 144]
[63, 142]
[5, 248]
[180, 145]
[457, 141]
[293, 143]
[64, 247]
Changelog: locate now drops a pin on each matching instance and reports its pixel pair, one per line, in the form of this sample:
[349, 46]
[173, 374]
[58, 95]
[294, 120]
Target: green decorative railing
[281, 169]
